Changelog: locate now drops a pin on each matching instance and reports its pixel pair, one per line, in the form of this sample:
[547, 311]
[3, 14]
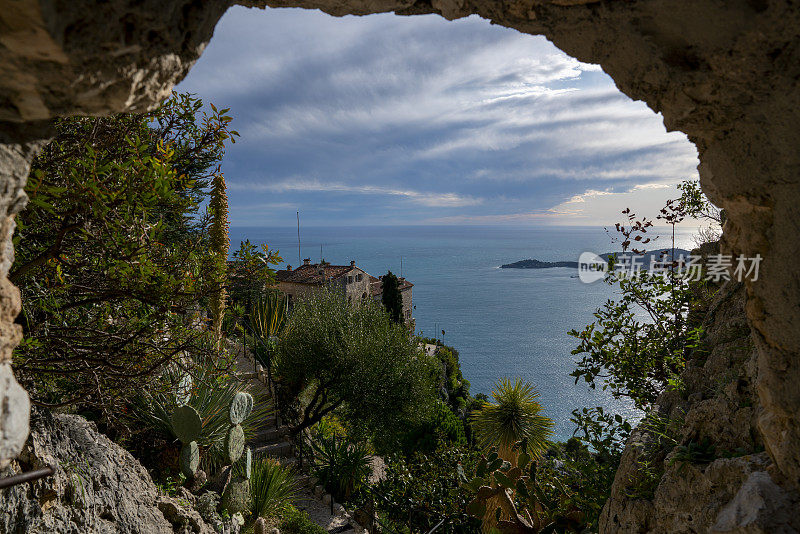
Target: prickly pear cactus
[190, 459]
[241, 406]
[246, 463]
[186, 423]
[234, 444]
[236, 497]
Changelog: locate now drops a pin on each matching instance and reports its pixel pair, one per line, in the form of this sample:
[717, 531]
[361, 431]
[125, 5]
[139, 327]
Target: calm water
[504, 322]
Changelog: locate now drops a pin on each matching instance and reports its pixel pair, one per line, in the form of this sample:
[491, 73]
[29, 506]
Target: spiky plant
[341, 466]
[211, 395]
[267, 321]
[272, 487]
[513, 417]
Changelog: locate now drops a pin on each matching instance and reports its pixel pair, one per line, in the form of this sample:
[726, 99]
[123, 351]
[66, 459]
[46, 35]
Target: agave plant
[210, 394]
[514, 417]
[272, 487]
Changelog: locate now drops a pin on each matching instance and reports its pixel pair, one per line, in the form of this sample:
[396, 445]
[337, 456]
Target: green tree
[251, 272]
[637, 346]
[513, 417]
[355, 360]
[391, 298]
[112, 257]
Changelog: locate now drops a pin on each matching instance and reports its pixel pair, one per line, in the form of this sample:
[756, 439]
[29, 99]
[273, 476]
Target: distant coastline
[644, 260]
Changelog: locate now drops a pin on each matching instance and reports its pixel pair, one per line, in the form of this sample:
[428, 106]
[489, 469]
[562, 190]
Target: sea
[503, 322]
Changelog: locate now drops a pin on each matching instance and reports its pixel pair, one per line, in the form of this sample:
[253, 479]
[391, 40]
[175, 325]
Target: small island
[643, 260]
[536, 264]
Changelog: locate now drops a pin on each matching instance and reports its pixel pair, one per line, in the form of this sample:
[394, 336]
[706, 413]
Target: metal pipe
[26, 477]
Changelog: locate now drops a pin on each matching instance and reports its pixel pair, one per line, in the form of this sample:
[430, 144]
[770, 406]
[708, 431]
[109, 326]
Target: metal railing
[30, 476]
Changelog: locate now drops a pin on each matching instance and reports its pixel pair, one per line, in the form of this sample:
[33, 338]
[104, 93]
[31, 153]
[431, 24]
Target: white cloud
[428, 199]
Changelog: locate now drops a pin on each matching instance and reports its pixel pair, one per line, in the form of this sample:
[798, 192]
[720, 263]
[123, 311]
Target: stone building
[352, 281]
[298, 283]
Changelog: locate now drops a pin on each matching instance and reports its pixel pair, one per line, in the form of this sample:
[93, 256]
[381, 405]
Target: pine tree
[392, 299]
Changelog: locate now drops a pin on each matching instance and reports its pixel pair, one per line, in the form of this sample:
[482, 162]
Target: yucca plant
[272, 487]
[267, 320]
[513, 417]
[342, 467]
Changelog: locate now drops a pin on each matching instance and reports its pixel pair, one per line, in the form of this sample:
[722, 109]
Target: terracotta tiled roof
[376, 285]
[313, 274]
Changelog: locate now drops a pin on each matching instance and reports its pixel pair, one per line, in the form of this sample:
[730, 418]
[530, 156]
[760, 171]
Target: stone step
[270, 434]
[282, 449]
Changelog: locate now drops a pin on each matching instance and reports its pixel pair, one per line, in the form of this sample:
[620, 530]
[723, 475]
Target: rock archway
[724, 72]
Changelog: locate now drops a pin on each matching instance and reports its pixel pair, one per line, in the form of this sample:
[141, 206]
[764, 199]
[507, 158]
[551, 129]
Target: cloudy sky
[416, 120]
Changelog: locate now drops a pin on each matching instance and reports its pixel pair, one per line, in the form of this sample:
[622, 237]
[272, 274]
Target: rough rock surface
[98, 487]
[732, 491]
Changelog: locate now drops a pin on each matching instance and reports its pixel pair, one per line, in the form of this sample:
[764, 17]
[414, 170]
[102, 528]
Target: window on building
[349, 279]
[360, 277]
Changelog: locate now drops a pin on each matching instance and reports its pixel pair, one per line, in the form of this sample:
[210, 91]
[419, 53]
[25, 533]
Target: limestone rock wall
[716, 475]
[98, 487]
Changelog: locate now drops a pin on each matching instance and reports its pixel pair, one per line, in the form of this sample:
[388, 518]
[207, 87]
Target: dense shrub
[419, 491]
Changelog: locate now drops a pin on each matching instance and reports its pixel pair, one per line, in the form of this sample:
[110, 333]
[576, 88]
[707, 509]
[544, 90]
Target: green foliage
[443, 428]
[341, 466]
[694, 203]
[111, 257]
[267, 319]
[695, 452]
[297, 522]
[272, 487]
[251, 272]
[355, 360]
[455, 384]
[515, 416]
[422, 489]
[528, 496]
[391, 298]
[638, 345]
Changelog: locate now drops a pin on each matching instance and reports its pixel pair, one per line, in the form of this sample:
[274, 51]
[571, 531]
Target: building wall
[349, 285]
[408, 306]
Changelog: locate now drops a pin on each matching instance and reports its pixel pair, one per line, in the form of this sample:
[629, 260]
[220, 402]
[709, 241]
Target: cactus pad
[190, 459]
[186, 423]
[241, 406]
[236, 497]
[234, 444]
[246, 463]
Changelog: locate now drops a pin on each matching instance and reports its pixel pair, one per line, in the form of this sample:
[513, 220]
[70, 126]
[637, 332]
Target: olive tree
[354, 359]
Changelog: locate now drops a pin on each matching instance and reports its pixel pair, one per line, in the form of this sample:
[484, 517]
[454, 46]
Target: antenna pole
[299, 260]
